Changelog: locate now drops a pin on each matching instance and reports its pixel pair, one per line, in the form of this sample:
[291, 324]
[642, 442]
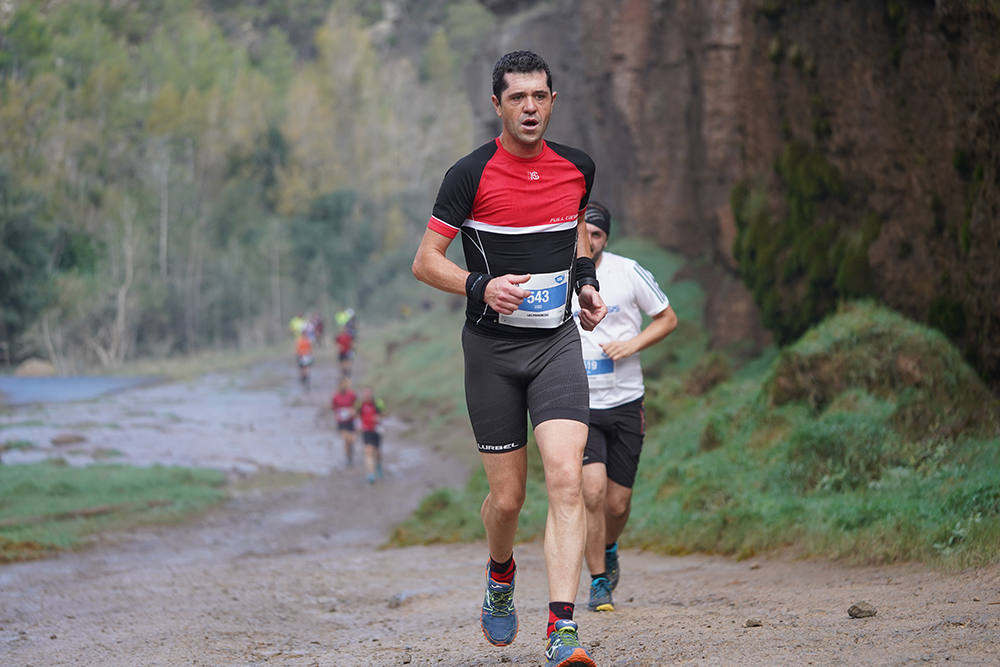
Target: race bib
[345, 414]
[545, 304]
[600, 372]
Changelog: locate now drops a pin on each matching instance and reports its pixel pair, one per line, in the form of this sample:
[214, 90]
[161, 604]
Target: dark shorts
[615, 439]
[305, 360]
[346, 356]
[505, 380]
[373, 438]
[346, 426]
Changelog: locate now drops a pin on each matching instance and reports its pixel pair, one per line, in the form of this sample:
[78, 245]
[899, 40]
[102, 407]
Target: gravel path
[296, 576]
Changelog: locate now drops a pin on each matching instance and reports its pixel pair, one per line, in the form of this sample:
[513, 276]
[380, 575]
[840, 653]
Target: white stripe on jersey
[497, 229]
[648, 278]
[444, 223]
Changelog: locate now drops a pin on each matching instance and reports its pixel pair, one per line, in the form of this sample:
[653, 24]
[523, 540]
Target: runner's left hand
[592, 308]
[618, 349]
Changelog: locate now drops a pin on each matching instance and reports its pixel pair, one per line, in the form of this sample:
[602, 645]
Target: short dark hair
[520, 62]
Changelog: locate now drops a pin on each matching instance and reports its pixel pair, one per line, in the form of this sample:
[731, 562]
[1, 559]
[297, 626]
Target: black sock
[611, 546]
[603, 575]
[503, 572]
[558, 611]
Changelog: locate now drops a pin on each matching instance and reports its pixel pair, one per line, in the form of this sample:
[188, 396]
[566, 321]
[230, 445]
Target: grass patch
[11, 445]
[868, 440]
[46, 507]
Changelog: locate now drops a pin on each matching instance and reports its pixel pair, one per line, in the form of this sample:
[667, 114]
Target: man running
[617, 420]
[342, 404]
[370, 416]
[518, 202]
[345, 345]
[303, 356]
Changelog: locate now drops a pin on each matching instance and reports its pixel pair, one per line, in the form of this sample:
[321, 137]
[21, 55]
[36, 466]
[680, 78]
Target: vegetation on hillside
[190, 173]
[868, 439]
[870, 184]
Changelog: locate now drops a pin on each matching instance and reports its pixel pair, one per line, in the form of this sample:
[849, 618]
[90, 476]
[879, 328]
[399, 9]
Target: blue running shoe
[600, 595]
[499, 620]
[611, 565]
[564, 649]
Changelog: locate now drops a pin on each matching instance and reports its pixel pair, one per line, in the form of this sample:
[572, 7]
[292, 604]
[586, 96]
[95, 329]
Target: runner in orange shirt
[303, 354]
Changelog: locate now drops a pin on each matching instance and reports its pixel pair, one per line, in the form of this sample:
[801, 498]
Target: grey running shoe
[563, 648]
[600, 595]
[611, 565]
[498, 619]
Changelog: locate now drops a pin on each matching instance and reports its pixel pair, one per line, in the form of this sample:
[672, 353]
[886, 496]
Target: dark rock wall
[678, 100]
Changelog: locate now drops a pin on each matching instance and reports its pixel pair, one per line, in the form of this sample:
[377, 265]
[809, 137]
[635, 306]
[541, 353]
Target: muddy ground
[296, 575]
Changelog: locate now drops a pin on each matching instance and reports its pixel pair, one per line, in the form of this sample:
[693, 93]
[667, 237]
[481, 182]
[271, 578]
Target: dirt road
[296, 576]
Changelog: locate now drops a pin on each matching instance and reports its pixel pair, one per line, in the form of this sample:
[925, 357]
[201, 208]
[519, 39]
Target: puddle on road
[242, 423]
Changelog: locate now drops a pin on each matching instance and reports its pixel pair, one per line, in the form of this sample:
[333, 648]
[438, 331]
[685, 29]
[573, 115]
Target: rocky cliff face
[649, 89]
[678, 101]
[903, 98]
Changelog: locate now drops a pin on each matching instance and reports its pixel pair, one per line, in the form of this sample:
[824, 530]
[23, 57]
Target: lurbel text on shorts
[499, 448]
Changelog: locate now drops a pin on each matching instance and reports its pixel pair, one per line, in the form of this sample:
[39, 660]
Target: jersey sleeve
[648, 294]
[588, 169]
[454, 200]
[583, 163]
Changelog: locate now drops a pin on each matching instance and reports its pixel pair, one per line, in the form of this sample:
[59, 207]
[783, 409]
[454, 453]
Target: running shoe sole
[495, 643]
[579, 658]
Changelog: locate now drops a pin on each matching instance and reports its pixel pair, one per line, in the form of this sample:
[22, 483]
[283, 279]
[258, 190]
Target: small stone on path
[67, 439]
[753, 623]
[861, 610]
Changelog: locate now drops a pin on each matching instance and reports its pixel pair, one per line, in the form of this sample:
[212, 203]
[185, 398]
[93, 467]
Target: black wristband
[475, 286]
[585, 272]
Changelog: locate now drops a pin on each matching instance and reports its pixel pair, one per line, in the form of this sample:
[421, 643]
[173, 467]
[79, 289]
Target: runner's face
[524, 110]
[598, 241]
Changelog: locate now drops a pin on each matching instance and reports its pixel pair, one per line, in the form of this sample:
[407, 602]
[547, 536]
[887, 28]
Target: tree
[25, 286]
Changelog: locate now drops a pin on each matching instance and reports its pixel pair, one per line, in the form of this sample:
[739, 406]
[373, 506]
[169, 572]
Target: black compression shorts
[615, 439]
[505, 380]
[373, 438]
[346, 425]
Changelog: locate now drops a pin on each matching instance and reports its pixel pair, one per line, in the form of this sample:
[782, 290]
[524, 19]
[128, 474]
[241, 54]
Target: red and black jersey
[516, 215]
[342, 404]
[369, 413]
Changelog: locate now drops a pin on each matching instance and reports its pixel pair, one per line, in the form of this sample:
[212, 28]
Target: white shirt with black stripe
[628, 290]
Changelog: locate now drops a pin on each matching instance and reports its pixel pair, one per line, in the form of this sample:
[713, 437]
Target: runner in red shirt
[345, 342]
[370, 414]
[342, 404]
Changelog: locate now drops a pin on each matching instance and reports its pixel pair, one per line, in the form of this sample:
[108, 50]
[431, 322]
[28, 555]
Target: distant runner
[303, 353]
[370, 416]
[345, 346]
[343, 404]
[617, 419]
[296, 324]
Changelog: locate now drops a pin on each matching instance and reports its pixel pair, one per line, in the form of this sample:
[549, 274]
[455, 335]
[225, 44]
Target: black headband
[599, 216]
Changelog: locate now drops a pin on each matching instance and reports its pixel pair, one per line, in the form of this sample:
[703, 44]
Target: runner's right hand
[503, 294]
